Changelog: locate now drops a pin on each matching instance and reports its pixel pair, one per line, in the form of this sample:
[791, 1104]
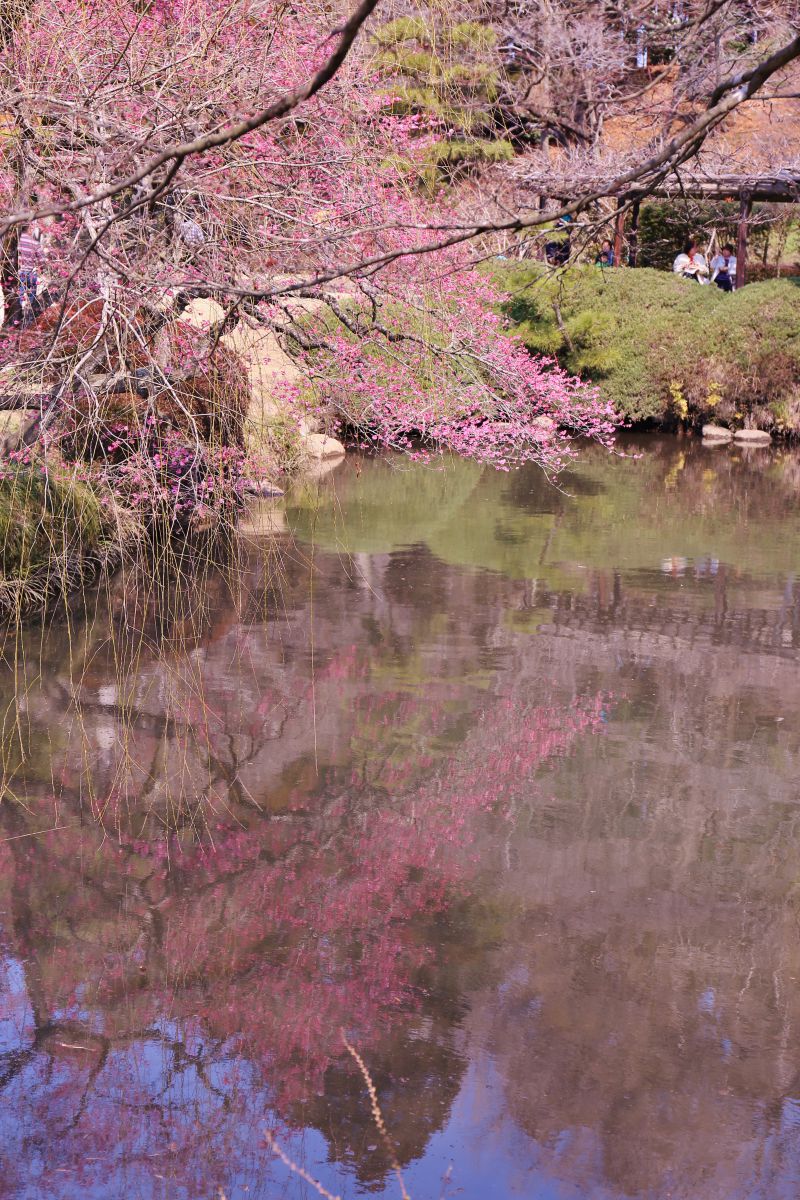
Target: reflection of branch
[377, 1115]
[296, 1169]
[12, 1062]
[105, 1044]
[127, 716]
[91, 1080]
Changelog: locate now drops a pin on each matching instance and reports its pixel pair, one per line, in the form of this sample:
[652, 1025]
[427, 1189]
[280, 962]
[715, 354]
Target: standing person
[691, 262]
[723, 269]
[29, 256]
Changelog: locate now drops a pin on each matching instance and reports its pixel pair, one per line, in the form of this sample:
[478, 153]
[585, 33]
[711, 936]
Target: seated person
[606, 256]
[723, 269]
[558, 252]
[691, 263]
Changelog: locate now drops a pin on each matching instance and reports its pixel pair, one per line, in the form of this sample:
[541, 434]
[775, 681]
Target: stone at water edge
[318, 468]
[261, 487]
[319, 445]
[268, 366]
[752, 437]
[308, 425]
[12, 422]
[717, 433]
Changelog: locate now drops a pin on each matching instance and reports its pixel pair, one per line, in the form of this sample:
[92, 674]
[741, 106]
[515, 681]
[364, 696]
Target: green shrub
[662, 348]
[43, 518]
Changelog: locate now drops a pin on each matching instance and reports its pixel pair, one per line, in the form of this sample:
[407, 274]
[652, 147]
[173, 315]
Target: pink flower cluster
[324, 192]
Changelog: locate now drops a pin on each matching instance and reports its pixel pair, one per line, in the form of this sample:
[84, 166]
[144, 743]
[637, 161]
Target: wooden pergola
[779, 187]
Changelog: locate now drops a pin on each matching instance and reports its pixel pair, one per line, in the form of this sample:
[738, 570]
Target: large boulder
[268, 370]
[320, 446]
[717, 433]
[266, 363]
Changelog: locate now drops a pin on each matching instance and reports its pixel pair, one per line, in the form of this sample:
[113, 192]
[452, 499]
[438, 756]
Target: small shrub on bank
[42, 517]
[662, 349]
[58, 533]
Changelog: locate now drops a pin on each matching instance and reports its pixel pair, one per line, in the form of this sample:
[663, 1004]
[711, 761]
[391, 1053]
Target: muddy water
[499, 782]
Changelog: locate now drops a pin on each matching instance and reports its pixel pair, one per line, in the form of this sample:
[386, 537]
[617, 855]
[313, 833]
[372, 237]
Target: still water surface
[501, 781]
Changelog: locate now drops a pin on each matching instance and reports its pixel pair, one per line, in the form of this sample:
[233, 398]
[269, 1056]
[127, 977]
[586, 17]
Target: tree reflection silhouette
[215, 858]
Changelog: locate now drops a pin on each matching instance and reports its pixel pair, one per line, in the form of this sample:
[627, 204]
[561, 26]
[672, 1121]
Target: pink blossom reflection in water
[498, 796]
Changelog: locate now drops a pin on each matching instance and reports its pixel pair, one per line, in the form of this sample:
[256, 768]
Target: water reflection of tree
[226, 882]
[741, 507]
[619, 935]
[648, 1008]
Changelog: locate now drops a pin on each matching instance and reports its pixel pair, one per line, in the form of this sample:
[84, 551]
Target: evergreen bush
[663, 349]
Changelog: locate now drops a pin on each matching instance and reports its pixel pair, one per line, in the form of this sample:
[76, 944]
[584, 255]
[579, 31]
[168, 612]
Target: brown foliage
[209, 405]
[200, 391]
[125, 344]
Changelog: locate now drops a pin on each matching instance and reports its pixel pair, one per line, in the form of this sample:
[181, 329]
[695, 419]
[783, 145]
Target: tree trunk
[741, 244]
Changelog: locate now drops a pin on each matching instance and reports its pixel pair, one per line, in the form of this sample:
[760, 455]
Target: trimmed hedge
[664, 349]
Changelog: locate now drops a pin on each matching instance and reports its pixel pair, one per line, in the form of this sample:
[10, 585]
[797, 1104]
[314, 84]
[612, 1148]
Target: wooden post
[633, 239]
[619, 232]
[741, 244]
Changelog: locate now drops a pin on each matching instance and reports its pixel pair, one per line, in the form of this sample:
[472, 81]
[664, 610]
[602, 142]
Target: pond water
[501, 782]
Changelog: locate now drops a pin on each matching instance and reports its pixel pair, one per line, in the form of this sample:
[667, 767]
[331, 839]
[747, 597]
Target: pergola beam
[779, 191]
[781, 188]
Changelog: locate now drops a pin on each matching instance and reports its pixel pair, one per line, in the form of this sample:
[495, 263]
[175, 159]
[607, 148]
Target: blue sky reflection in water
[510, 794]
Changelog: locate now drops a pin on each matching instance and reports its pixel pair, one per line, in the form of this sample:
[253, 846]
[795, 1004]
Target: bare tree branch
[176, 154]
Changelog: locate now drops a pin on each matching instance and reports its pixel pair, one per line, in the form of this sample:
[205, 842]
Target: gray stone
[752, 437]
[717, 433]
[262, 487]
[319, 445]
